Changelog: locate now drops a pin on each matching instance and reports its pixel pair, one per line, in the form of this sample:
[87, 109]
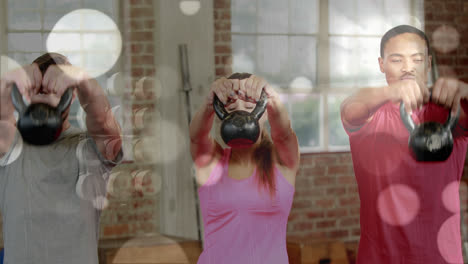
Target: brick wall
[222, 31]
[134, 203]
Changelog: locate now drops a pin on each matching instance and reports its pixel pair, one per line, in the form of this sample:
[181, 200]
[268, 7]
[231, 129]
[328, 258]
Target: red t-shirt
[410, 211]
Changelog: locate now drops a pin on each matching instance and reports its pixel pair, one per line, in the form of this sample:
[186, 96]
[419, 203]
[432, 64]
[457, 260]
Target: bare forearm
[6, 107]
[358, 108]
[100, 121]
[283, 135]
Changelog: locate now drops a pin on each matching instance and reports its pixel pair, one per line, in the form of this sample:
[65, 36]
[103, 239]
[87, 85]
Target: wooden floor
[170, 250]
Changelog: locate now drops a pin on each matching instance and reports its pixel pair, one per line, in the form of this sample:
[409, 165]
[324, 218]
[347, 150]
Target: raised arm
[359, 108]
[27, 79]
[203, 148]
[283, 136]
[100, 121]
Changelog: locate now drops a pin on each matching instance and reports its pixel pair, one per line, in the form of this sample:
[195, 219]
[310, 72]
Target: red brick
[356, 232]
[293, 216]
[353, 221]
[337, 213]
[354, 211]
[301, 226]
[345, 179]
[315, 214]
[299, 204]
[309, 192]
[453, 7]
[328, 160]
[326, 224]
[314, 236]
[137, 72]
[116, 230]
[141, 12]
[338, 234]
[325, 203]
[307, 159]
[136, 48]
[221, 25]
[222, 49]
[336, 190]
[313, 171]
[324, 180]
[353, 200]
[141, 36]
[352, 189]
[339, 169]
[226, 59]
[222, 4]
[345, 159]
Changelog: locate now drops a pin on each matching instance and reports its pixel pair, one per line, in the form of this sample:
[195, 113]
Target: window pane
[368, 73]
[61, 42]
[25, 42]
[370, 17]
[24, 58]
[101, 41]
[106, 6]
[244, 16]
[304, 16]
[273, 16]
[336, 133]
[243, 53]
[342, 66]
[68, 5]
[272, 59]
[303, 58]
[97, 21]
[24, 19]
[305, 112]
[398, 12]
[33, 4]
[341, 17]
[71, 22]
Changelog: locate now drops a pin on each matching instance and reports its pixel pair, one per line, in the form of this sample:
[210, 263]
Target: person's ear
[381, 65]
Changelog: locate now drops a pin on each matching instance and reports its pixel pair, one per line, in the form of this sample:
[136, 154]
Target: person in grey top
[51, 196]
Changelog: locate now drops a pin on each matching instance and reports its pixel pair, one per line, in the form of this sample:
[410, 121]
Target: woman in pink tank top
[245, 192]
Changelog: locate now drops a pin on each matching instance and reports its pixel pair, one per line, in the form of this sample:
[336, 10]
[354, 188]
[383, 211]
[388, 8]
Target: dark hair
[398, 30]
[50, 58]
[263, 152]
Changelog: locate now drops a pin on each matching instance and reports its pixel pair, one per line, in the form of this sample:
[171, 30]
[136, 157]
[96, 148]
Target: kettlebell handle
[409, 122]
[20, 106]
[256, 113]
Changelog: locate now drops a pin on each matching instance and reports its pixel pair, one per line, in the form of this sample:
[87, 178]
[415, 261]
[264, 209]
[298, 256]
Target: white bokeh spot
[189, 7]
[398, 205]
[95, 49]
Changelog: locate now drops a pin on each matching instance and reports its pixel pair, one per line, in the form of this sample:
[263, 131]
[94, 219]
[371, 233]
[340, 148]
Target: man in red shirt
[410, 210]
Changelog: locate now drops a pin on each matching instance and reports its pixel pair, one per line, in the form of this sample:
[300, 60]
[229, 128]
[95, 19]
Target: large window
[89, 38]
[316, 53]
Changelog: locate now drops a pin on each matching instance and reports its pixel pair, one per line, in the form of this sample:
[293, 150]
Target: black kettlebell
[240, 128]
[429, 141]
[40, 124]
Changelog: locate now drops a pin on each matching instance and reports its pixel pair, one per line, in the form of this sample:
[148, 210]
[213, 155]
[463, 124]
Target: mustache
[406, 75]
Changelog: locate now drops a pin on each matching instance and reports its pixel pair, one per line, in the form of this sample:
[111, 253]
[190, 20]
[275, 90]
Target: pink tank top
[243, 224]
[410, 211]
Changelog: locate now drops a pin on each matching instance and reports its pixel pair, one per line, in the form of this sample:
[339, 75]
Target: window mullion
[323, 67]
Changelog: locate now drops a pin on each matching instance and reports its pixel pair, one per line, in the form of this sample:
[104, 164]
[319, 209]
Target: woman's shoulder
[203, 173]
